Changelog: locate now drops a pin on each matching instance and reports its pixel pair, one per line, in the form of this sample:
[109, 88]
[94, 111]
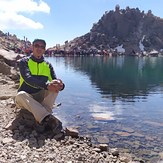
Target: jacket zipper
[37, 68]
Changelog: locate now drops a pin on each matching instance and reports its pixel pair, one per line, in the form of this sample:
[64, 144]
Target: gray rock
[4, 68]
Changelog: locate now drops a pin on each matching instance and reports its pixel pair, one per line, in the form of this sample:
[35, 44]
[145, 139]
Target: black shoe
[52, 123]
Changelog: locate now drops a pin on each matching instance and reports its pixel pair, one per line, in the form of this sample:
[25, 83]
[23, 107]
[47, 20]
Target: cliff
[123, 30]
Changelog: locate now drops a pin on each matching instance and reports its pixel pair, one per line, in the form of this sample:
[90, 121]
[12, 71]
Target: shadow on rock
[24, 127]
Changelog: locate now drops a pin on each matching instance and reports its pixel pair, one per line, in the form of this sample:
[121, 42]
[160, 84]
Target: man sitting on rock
[39, 87]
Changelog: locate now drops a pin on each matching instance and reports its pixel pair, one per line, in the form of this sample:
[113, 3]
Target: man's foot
[53, 124]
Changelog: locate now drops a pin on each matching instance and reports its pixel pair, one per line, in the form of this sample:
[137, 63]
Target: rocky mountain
[11, 42]
[123, 30]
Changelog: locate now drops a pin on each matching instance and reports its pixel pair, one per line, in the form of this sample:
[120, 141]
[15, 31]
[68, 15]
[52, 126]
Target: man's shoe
[52, 123]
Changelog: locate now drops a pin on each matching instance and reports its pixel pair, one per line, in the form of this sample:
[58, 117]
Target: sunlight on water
[101, 113]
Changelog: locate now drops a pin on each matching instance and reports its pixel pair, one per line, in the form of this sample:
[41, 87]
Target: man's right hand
[55, 86]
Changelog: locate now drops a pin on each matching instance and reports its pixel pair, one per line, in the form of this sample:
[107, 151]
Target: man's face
[38, 49]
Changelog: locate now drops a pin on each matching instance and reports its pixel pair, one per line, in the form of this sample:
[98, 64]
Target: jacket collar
[36, 59]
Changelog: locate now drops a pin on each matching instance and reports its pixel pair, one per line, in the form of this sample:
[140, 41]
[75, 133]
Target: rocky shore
[20, 141]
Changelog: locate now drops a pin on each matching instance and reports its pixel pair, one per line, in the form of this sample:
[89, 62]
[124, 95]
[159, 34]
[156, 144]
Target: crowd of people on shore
[95, 52]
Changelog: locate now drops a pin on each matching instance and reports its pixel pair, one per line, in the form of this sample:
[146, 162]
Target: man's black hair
[39, 40]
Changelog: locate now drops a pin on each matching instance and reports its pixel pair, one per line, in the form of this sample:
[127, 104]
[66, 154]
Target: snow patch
[141, 46]
[120, 49]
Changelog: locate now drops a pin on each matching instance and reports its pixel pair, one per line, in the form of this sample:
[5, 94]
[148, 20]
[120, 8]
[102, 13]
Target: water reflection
[122, 76]
[101, 113]
[115, 98]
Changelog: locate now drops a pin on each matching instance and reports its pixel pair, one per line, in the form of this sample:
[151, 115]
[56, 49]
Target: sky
[57, 21]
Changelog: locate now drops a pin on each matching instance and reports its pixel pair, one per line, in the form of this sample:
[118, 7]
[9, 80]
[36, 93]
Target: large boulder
[4, 68]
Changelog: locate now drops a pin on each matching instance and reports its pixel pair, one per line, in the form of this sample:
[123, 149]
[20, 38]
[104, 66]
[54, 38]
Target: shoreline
[22, 143]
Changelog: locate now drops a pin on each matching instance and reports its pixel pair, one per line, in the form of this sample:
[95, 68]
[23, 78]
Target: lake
[114, 100]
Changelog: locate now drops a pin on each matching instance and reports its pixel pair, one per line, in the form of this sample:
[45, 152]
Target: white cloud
[11, 13]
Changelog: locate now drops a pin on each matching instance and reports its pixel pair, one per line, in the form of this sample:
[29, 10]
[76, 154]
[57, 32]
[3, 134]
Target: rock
[103, 147]
[124, 159]
[3, 81]
[7, 140]
[10, 126]
[59, 136]
[14, 75]
[72, 132]
[115, 152]
[4, 68]
[5, 97]
[102, 139]
[97, 150]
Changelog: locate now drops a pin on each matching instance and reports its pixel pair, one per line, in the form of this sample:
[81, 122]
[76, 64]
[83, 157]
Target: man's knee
[20, 95]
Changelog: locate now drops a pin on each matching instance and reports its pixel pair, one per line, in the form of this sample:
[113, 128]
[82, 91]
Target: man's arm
[58, 82]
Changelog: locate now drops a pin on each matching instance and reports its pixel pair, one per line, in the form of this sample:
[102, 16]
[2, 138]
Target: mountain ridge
[124, 31]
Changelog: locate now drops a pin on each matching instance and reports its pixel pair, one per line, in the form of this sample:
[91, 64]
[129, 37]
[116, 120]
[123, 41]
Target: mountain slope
[127, 30]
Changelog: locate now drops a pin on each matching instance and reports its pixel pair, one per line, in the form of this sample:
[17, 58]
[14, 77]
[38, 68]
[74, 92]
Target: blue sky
[59, 20]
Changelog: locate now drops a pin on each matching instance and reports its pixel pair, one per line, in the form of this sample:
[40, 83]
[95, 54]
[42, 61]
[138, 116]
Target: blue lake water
[114, 100]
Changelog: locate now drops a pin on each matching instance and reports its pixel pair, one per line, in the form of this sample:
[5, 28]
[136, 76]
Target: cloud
[12, 13]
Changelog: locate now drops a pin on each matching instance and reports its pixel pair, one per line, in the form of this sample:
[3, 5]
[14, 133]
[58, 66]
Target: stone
[102, 139]
[4, 68]
[103, 147]
[7, 140]
[115, 152]
[72, 132]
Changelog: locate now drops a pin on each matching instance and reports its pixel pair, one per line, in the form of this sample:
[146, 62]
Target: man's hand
[55, 85]
[60, 84]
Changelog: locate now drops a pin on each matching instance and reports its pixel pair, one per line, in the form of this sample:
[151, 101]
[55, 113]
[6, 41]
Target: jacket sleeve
[30, 79]
[53, 75]
[52, 72]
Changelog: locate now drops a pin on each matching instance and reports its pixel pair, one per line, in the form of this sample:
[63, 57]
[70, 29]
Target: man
[39, 87]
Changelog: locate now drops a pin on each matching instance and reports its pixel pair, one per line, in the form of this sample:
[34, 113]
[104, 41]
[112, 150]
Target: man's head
[39, 47]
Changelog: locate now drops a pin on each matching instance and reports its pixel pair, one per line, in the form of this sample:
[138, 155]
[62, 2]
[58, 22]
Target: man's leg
[49, 100]
[25, 100]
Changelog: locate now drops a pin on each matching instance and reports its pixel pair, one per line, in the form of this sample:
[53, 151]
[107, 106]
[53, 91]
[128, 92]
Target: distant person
[39, 87]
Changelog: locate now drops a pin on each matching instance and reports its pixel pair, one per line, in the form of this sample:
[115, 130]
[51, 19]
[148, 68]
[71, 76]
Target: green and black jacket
[35, 74]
